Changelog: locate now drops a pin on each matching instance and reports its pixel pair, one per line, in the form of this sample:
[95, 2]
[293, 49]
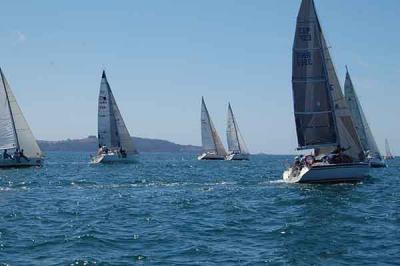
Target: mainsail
[210, 140]
[360, 121]
[236, 142]
[112, 131]
[14, 129]
[322, 116]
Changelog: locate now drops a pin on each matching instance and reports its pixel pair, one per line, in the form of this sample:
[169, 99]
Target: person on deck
[6, 155]
[339, 150]
[22, 155]
[122, 152]
[338, 156]
[17, 155]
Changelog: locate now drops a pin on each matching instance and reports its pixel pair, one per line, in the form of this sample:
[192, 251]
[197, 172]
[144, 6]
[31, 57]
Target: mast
[323, 47]
[9, 108]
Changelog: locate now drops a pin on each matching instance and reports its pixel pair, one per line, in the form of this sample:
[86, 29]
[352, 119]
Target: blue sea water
[170, 209]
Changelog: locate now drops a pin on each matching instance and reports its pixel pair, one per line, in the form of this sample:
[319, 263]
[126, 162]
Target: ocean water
[170, 209]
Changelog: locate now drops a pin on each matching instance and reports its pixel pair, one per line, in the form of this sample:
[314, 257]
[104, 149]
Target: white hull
[237, 156]
[10, 163]
[327, 173]
[113, 158]
[211, 156]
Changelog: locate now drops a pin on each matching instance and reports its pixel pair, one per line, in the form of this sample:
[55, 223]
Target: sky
[162, 56]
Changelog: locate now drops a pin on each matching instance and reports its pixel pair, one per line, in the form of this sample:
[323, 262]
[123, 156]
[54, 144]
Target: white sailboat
[115, 143]
[388, 155]
[17, 143]
[373, 156]
[211, 142]
[323, 119]
[237, 149]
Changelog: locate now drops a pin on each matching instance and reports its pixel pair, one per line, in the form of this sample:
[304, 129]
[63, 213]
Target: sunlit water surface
[170, 209]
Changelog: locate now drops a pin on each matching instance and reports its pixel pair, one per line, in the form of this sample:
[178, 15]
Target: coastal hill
[89, 144]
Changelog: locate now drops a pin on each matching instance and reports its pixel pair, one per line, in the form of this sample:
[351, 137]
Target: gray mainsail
[313, 108]
[235, 140]
[210, 139]
[112, 131]
[321, 113]
[360, 121]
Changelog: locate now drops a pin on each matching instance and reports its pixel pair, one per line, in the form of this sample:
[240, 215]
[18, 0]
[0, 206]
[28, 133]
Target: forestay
[211, 142]
[235, 140]
[24, 137]
[323, 119]
[360, 122]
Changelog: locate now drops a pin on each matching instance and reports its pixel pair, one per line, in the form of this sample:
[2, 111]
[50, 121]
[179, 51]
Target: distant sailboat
[236, 145]
[115, 143]
[373, 156]
[323, 119]
[17, 143]
[211, 142]
[388, 155]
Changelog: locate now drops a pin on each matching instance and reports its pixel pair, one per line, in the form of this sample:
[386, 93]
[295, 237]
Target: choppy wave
[170, 209]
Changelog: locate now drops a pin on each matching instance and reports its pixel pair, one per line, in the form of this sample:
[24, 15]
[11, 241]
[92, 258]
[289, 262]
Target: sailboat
[17, 143]
[211, 142]
[373, 156]
[323, 119]
[236, 145]
[388, 155]
[115, 143]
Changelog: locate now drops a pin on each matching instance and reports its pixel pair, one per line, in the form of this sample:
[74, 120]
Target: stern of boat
[237, 157]
[210, 156]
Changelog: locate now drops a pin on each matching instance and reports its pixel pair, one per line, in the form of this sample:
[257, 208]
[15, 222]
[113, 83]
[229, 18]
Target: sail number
[304, 33]
[303, 59]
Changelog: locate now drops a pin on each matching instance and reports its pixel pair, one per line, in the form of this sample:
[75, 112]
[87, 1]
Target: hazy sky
[162, 56]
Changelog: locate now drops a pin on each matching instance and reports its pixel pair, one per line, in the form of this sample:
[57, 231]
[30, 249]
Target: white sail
[24, 137]
[348, 137]
[211, 142]
[8, 136]
[112, 131]
[124, 137]
[236, 142]
[360, 121]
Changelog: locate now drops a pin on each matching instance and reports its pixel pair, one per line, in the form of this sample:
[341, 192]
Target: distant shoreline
[89, 144]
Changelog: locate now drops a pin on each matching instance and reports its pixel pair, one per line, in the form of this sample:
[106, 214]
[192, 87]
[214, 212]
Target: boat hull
[113, 158]
[10, 163]
[377, 163]
[237, 157]
[210, 156]
[328, 173]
